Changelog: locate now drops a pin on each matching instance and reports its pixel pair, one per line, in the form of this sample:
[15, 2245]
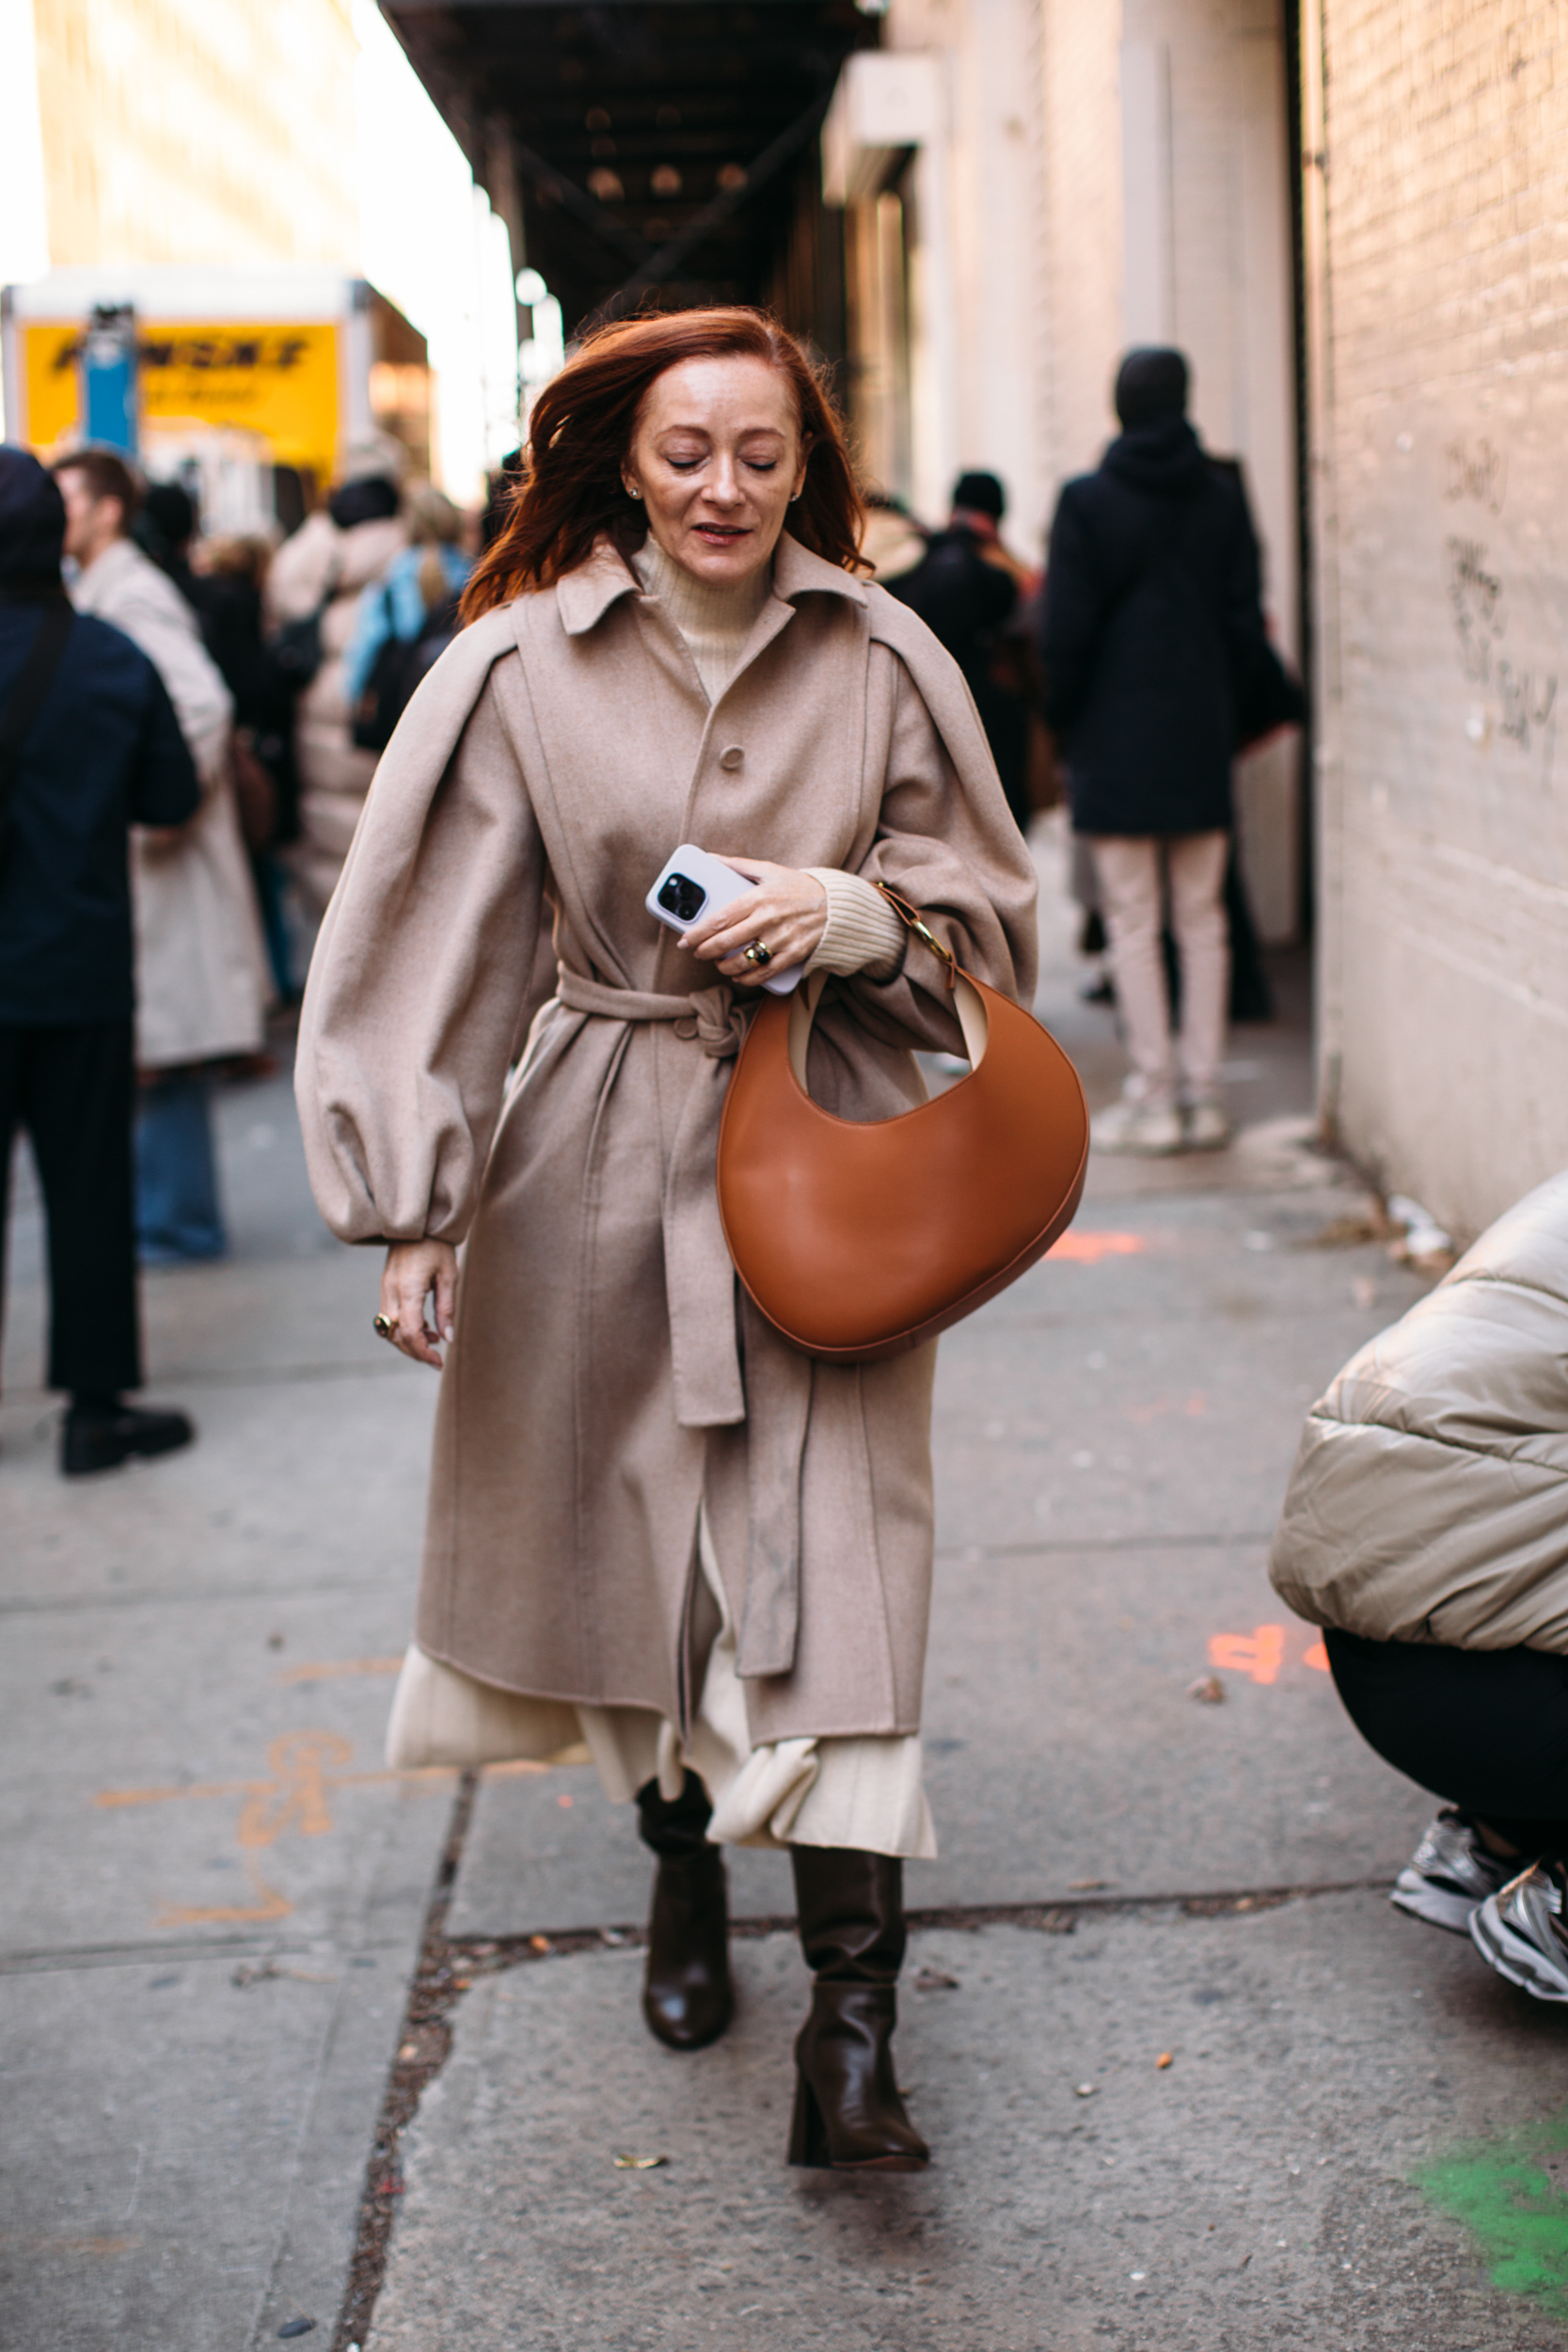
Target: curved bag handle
[859, 1239]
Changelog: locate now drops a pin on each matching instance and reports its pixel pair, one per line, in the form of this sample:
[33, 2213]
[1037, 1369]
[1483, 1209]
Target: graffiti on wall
[1522, 698]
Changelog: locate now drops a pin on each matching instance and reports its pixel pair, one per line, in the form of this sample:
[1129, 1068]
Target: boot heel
[808, 2137]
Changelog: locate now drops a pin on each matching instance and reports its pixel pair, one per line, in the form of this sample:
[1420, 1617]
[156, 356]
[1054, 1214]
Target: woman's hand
[788, 912]
[412, 1271]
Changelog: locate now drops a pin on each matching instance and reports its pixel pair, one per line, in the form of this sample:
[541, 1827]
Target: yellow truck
[243, 383]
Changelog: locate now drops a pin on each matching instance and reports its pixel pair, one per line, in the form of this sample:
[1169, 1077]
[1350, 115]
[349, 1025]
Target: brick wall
[1442, 522]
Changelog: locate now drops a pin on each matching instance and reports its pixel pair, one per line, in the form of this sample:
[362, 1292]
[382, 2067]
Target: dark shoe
[849, 2116]
[687, 1998]
[99, 1440]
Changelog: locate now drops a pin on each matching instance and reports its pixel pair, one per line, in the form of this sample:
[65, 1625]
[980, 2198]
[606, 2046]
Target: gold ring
[383, 1330]
[757, 953]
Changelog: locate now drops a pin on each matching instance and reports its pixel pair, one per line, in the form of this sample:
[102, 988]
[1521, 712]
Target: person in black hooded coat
[1152, 635]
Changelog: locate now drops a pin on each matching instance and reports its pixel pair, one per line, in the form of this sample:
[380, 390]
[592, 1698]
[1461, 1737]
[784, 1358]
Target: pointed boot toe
[849, 2113]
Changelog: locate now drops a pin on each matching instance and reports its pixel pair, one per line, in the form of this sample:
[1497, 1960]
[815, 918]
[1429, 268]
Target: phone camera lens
[682, 897]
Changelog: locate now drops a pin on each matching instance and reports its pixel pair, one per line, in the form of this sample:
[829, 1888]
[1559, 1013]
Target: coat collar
[585, 596]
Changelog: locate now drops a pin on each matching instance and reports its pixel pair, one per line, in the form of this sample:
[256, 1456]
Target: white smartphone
[692, 884]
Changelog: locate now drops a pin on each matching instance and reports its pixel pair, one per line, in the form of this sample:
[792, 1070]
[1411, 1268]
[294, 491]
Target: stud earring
[795, 497]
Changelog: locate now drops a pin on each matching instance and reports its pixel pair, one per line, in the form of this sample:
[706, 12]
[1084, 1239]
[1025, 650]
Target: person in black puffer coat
[1152, 635]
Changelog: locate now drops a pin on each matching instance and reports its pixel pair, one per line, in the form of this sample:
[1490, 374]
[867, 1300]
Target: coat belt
[710, 1392]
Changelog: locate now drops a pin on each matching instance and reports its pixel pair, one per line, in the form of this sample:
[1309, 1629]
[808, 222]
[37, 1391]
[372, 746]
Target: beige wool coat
[609, 1376]
[1429, 1501]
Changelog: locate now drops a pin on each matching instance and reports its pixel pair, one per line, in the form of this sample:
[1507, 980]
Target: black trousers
[71, 1088]
[1485, 1729]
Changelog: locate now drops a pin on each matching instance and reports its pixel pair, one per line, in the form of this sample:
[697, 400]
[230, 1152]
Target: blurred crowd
[189, 723]
[288, 667]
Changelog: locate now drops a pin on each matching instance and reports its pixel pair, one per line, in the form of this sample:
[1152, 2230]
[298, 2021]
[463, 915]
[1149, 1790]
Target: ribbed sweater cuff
[864, 933]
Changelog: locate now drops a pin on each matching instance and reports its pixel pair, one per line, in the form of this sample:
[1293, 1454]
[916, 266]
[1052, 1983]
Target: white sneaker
[1208, 1128]
[1151, 1129]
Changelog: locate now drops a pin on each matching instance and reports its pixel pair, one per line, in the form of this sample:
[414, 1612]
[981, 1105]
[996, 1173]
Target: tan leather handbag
[859, 1239]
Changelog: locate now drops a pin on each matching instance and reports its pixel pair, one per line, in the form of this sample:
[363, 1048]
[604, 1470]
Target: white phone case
[689, 870]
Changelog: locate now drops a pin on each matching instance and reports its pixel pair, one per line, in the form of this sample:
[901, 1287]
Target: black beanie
[982, 494]
[1151, 386]
[32, 521]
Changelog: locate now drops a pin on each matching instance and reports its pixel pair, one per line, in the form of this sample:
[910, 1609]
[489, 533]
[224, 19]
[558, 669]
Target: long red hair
[570, 492]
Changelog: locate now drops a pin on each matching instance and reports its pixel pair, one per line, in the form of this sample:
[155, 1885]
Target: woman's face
[715, 459]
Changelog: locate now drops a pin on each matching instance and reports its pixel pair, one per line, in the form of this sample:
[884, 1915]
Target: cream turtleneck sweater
[715, 621]
[862, 932]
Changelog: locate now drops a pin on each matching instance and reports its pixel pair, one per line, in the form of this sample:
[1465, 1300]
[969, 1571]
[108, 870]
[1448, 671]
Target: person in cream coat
[653, 1524]
[200, 960]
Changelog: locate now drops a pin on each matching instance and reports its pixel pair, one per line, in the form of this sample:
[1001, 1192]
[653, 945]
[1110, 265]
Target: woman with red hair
[653, 1524]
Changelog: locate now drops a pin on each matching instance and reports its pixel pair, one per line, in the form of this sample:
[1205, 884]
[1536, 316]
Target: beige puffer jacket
[1429, 1501]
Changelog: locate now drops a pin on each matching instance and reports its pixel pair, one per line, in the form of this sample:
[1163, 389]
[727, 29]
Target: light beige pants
[1133, 876]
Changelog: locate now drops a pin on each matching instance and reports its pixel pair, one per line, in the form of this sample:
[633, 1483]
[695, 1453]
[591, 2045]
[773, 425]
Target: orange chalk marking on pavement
[1087, 1249]
[95, 2247]
[270, 1904]
[304, 1767]
[334, 1669]
[1260, 1654]
[296, 1797]
[291, 1765]
[1195, 1408]
[1317, 1656]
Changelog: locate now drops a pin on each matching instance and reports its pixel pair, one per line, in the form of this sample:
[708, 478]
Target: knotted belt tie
[701, 1291]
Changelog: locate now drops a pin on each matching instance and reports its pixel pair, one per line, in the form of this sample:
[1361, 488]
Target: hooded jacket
[1429, 1501]
[1150, 623]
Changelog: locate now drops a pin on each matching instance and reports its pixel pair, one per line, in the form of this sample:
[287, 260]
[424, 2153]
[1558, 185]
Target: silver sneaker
[1519, 1931]
[1449, 1874]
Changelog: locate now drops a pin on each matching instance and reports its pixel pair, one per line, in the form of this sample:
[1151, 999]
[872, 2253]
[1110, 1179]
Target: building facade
[229, 152]
[1029, 186]
[1352, 218]
[1436, 171]
[178, 131]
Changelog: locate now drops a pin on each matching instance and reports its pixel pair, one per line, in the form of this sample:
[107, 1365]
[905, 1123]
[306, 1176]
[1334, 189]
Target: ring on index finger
[384, 1330]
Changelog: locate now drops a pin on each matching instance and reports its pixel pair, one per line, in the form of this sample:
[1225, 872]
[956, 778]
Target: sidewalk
[200, 2054]
[214, 1893]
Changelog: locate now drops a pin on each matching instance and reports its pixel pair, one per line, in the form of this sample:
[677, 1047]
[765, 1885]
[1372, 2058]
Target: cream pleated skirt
[867, 1793]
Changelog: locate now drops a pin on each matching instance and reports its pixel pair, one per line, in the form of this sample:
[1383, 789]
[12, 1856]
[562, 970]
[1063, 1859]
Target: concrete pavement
[214, 1893]
[209, 1988]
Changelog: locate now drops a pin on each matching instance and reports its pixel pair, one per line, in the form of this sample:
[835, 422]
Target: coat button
[732, 758]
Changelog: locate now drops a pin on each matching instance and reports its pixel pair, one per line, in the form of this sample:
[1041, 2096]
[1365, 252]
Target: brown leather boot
[687, 1995]
[848, 2114]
